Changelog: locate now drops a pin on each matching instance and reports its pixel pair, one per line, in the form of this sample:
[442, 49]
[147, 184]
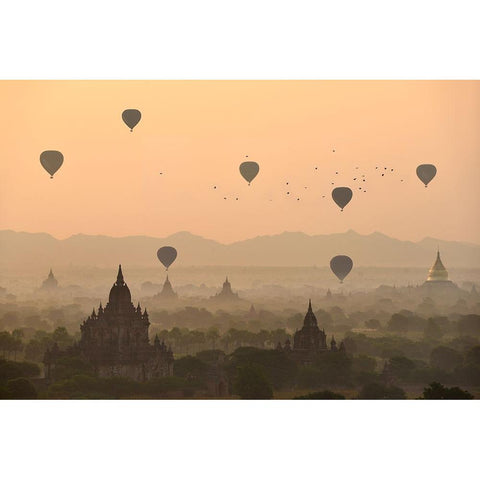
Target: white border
[259, 39]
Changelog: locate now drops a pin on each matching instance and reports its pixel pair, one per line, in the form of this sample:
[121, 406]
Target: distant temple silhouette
[115, 341]
[167, 292]
[50, 283]
[309, 340]
[226, 293]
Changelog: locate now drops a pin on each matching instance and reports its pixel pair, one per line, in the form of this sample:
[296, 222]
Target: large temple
[438, 276]
[438, 273]
[310, 340]
[115, 340]
[310, 337]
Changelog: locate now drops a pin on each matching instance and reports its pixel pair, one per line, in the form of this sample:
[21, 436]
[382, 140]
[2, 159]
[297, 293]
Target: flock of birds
[341, 265]
[341, 195]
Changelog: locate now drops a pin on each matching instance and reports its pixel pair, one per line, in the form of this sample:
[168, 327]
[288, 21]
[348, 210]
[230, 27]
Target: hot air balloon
[426, 172]
[249, 170]
[131, 117]
[51, 161]
[167, 256]
[341, 266]
[341, 196]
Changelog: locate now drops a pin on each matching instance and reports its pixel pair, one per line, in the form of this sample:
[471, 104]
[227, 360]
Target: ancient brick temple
[115, 340]
[309, 340]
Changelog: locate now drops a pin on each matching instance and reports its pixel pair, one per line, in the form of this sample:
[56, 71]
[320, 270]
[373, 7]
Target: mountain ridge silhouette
[282, 250]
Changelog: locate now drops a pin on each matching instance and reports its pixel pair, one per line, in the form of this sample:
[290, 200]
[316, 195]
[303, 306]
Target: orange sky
[198, 132]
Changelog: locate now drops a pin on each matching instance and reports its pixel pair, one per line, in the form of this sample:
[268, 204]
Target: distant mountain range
[20, 249]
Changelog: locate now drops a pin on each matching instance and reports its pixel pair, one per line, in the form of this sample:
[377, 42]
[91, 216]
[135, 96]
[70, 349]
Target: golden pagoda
[438, 273]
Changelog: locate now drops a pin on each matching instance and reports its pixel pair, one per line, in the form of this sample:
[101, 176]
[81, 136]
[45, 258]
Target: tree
[21, 389]
[473, 355]
[379, 391]
[10, 370]
[445, 358]
[433, 330]
[251, 384]
[469, 325]
[190, 367]
[400, 367]
[5, 343]
[398, 323]
[61, 337]
[436, 391]
[364, 363]
[213, 335]
[279, 369]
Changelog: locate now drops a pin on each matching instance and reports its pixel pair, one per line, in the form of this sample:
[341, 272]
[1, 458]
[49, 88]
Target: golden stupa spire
[438, 273]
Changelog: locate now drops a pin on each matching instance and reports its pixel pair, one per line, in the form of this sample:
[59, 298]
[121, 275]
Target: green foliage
[279, 369]
[330, 368]
[11, 370]
[20, 389]
[445, 358]
[398, 323]
[364, 363]
[473, 356]
[210, 356]
[190, 367]
[67, 366]
[468, 374]
[11, 343]
[36, 347]
[433, 330]
[251, 383]
[386, 347]
[404, 322]
[469, 325]
[323, 395]
[401, 367]
[436, 391]
[379, 391]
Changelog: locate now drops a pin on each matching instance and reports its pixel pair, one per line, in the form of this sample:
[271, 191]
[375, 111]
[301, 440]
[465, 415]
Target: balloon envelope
[131, 117]
[249, 170]
[341, 196]
[167, 256]
[51, 161]
[426, 172]
[341, 266]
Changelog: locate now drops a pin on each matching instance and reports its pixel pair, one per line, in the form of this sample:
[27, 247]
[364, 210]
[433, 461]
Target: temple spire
[310, 305]
[438, 272]
[120, 280]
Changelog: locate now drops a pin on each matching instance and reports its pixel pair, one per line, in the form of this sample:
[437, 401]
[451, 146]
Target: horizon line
[350, 230]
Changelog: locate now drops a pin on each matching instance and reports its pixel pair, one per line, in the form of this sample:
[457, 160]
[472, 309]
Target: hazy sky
[198, 132]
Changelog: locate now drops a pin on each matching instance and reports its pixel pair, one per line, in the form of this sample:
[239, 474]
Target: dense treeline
[335, 319]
